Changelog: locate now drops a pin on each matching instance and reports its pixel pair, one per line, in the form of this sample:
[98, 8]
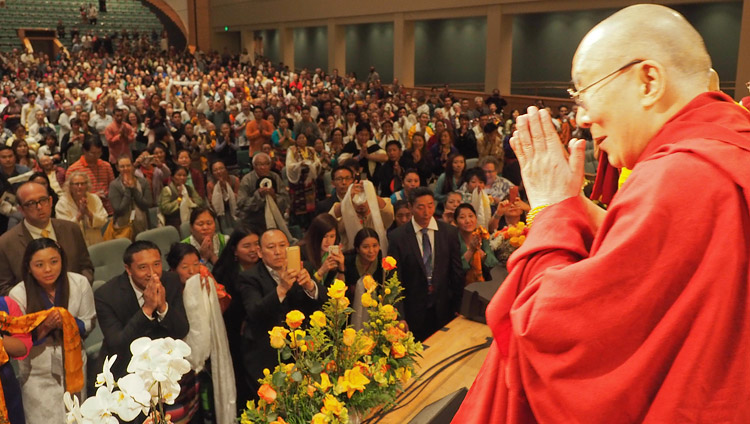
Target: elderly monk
[639, 314]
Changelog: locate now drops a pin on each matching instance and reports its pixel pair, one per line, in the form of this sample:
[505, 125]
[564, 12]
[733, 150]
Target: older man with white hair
[639, 313]
[263, 197]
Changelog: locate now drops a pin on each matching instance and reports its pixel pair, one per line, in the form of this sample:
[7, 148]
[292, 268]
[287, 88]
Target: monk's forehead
[599, 51]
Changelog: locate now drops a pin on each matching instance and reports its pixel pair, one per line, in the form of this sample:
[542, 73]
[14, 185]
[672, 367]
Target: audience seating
[107, 258]
[164, 237]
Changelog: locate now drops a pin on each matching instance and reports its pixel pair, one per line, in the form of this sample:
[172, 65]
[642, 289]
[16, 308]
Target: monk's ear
[652, 82]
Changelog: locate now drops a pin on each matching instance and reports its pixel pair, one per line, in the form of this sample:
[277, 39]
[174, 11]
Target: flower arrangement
[212, 135]
[331, 373]
[153, 379]
[475, 270]
[504, 242]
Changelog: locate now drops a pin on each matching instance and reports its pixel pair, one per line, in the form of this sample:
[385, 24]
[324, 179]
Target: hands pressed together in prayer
[550, 174]
[155, 297]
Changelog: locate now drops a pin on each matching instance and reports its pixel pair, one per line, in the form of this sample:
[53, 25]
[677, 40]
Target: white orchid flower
[124, 406]
[97, 409]
[169, 391]
[73, 416]
[134, 387]
[105, 377]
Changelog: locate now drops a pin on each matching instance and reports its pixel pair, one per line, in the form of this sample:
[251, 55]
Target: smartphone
[513, 194]
[293, 262]
[334, 248]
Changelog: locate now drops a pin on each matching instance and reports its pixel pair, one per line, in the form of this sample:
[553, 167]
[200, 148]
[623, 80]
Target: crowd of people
[244, 158]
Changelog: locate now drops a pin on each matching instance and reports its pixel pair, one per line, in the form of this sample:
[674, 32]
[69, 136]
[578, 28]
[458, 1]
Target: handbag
[111, 233]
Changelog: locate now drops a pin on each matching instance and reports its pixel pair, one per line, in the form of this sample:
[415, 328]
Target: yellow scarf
[71, 347]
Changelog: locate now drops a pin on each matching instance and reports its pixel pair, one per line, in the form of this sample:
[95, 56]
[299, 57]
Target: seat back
[163, 237]
[107, 258]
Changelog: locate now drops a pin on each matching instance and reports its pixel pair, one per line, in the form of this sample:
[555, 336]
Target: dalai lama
[639, 314]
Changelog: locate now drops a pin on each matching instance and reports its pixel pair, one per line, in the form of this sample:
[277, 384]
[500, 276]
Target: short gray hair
[259, 156]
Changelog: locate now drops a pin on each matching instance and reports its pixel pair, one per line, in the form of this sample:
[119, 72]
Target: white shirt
[37, 232]
[139, 295]
[431, 228]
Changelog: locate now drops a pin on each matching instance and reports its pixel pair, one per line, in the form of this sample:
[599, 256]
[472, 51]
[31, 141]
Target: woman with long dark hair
[46, 284]
[451, 179]
[240, 254]
[366, 259]
[209, 350]
[324, 258]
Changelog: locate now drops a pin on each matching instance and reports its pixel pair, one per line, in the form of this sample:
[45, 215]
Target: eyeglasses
[44, 201]
[343, 179]
[576, 95]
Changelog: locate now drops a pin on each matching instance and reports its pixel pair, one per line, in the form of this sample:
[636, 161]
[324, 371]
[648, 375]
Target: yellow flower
[330, 403]
[368, 301]
[310, 390]
[278, 337]
[318, 319]
[342, 303]
[366, 344]
[403, 374]
[352, 380]
[389, 263]
[298, 339]
[337, 290]
[521, 225]
[320, 418]
[514, 241]
[349, 335]
[398, 350]
[369, 283]
[325, 382]
[294, 319]
[279, 420]
[389, 312]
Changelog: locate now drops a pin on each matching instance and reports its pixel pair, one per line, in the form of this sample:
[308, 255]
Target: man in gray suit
[36, 206]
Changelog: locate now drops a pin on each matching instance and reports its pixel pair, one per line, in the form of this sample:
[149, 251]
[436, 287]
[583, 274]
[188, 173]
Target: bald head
[648, 31]
[634, 71]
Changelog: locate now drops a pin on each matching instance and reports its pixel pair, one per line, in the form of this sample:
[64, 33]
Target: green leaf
[279, 379]
[297, 376]
[286, 353]
[316, 367]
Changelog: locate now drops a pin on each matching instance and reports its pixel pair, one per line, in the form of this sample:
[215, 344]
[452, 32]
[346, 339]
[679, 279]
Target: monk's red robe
[647, 320]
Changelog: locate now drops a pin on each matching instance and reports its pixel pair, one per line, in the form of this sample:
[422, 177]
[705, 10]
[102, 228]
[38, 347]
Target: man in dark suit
[36, 206]
[142, 301]
[268, 292]
[342, 177]
[429, 267]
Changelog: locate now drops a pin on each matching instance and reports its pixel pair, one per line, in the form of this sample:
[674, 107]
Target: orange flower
[267, 393]
[398, 350]
[389, 263]
[294, 319]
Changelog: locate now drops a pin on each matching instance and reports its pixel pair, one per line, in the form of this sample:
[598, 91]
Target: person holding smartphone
[268, 292]
[325, 261]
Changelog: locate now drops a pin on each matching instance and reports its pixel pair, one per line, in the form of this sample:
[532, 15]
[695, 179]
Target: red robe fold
[647, 320]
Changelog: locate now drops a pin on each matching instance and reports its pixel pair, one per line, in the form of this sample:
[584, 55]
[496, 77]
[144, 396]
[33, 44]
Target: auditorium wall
[450, 50]
[544, 43]
[370, 44]
[311, 47]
